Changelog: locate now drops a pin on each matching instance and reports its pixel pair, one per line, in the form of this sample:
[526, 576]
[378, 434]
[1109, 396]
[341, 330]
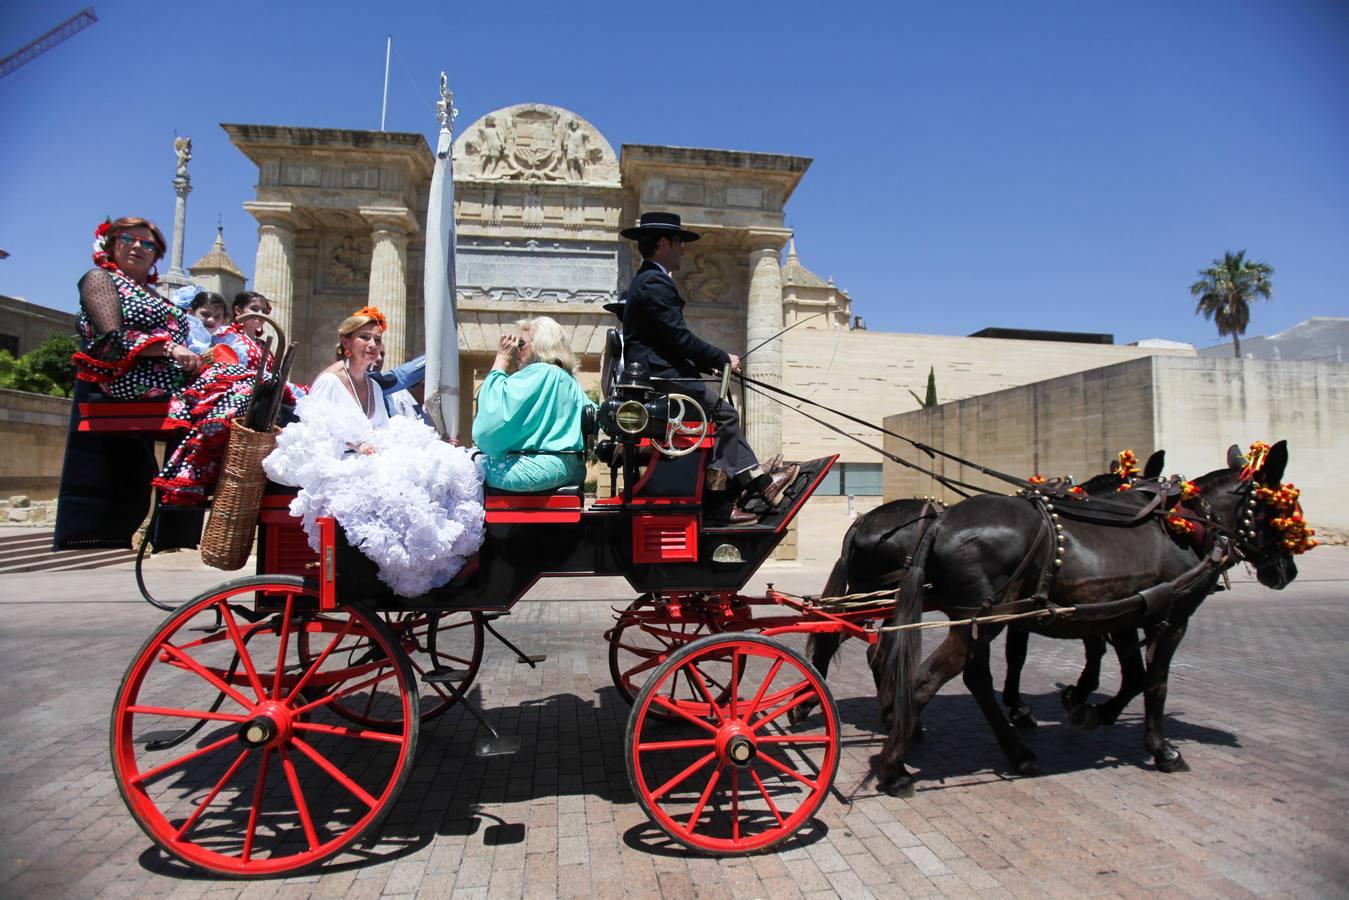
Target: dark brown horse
[988, 552]
[876, 553]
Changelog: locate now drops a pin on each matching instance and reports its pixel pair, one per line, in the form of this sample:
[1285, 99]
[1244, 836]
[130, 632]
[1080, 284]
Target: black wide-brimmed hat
[660, 224]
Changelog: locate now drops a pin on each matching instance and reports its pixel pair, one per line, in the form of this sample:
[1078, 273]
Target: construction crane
[75, 24]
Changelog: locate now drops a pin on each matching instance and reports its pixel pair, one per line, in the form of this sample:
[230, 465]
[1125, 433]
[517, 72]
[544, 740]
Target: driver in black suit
[656, 335]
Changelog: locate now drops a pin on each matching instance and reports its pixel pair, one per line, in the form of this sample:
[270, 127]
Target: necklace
[351, 386]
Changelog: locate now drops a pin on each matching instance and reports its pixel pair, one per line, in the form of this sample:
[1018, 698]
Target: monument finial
[445, 110]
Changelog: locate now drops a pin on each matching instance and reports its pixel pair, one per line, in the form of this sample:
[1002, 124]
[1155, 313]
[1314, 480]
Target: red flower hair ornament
[373, 313]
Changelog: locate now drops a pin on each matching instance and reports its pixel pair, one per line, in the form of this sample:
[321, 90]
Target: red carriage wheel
[646, 634]
[459, 647]
[732, 774]
[259, 774]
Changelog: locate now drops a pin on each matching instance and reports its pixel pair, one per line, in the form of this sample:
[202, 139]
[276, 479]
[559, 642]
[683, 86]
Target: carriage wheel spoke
[702, 800]
[242, 649]
[370, 701]
[318, 663]
[335, 773]
[281, 649]
[338, 695]
[763, 688]
[696, 677]
[677, 745]
[793, 739]
[201, 807]
[772, 807]
[681, 777]
[176, 713]
[301, 807]
[805, 697]
[165, 767]
[679, 710]
[735, 680]
[735, 804]
[257, 805]
[215, 681]
[349, 731]
[788, 770]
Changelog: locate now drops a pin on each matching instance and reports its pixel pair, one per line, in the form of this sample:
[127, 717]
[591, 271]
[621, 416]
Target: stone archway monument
[339, 227]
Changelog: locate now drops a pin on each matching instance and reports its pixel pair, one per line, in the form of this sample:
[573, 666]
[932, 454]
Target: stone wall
[33, 434]
[870, 373]
[1192, 408]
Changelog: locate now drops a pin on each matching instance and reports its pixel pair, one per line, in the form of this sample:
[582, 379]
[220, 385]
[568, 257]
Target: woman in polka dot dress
[133, 339]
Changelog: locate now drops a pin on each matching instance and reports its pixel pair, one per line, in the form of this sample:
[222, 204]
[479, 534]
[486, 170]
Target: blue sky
[1030, 164]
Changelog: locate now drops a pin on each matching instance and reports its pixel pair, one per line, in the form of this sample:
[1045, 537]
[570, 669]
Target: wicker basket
[228, 539]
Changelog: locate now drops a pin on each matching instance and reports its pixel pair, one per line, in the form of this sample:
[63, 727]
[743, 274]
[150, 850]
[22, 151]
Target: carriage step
[499, 614]
[531, 659]
[499, 745]
[445, 676]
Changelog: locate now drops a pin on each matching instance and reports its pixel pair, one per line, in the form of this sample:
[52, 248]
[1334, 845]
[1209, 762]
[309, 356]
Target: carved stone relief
[344, 264]
[535, 142]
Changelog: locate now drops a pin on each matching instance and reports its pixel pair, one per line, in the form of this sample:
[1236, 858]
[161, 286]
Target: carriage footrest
[445, 676]
[500, 745]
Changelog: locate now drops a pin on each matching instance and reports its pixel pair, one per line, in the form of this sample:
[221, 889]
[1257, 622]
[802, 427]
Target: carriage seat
[560, 505]
[149, 417]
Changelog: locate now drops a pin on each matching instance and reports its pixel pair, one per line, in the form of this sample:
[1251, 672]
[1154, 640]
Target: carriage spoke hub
[269, 726]
[735, 744]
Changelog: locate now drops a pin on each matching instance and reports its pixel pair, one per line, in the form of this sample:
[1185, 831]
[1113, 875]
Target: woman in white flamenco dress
[406, 499]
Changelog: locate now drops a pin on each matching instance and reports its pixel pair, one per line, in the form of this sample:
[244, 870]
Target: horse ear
[1271, 473]
[1235, 458]
[1156, 462]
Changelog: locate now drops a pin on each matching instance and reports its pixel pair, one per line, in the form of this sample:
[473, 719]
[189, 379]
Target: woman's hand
[365, 449]
[508, 350]
[185, 359]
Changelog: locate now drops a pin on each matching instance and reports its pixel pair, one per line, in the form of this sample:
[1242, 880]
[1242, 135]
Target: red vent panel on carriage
[664, 539]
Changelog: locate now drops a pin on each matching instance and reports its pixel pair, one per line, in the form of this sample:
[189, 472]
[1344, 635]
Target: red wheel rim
[459, 646]
[264, 778]
[648, 633]
[733, 774]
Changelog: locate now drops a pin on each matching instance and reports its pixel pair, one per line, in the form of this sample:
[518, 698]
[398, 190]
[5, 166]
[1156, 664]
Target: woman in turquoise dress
[528, 425]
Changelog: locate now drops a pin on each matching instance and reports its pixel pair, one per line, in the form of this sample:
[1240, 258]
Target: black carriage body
[656, 540]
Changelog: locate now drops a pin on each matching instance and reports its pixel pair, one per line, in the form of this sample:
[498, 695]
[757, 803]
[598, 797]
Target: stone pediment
[534, 142]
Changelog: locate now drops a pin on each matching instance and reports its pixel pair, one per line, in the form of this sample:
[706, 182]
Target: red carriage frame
[270, 723]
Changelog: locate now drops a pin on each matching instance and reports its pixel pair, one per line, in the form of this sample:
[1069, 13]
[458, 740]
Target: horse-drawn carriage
[272, 721]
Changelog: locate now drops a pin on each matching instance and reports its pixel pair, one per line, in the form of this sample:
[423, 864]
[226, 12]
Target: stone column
[763, 319]
[389, 228]
[182, 186]
[274, 273]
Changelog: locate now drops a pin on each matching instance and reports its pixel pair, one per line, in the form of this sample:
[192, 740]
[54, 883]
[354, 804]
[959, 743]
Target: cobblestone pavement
[1257, 705]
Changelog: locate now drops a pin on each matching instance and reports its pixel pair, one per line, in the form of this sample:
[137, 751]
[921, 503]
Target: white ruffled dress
[414, 506]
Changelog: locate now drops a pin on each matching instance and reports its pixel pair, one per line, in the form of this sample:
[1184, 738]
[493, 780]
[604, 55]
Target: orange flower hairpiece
[372, 312]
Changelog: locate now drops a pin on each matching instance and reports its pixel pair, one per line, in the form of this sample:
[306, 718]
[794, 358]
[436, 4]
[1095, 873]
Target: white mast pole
[384, 106]
[439, 288]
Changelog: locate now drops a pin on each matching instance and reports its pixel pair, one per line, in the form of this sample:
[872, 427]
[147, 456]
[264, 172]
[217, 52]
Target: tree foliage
[1226, 290]
[46, 369]
[930, 399]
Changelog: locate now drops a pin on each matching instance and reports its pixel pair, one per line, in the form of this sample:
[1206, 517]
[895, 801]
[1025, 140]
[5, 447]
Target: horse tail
[902, 659]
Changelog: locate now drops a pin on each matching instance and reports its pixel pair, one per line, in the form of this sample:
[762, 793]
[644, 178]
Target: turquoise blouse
[537, 410]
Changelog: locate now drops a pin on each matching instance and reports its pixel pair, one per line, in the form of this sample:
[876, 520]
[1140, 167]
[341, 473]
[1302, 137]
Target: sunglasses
[143, 243]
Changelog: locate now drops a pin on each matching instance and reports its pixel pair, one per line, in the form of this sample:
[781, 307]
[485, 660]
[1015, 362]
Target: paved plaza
[1257, 705]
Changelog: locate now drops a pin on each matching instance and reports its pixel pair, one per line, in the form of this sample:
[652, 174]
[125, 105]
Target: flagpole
[384, 106]
[438, 285]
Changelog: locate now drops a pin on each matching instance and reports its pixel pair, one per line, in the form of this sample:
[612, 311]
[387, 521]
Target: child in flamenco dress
[204, 408]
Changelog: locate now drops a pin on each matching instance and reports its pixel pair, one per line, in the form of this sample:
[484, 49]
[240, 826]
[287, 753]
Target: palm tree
[1226, 290]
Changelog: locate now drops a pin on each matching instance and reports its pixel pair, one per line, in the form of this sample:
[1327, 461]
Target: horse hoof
[1085, 717]
[1171, 762]
[1068, 697]
[797, 714]
[1028, 767]
[1022, 717]
[898, 787]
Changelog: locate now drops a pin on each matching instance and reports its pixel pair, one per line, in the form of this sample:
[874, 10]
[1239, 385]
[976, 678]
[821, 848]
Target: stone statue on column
[177, 276]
